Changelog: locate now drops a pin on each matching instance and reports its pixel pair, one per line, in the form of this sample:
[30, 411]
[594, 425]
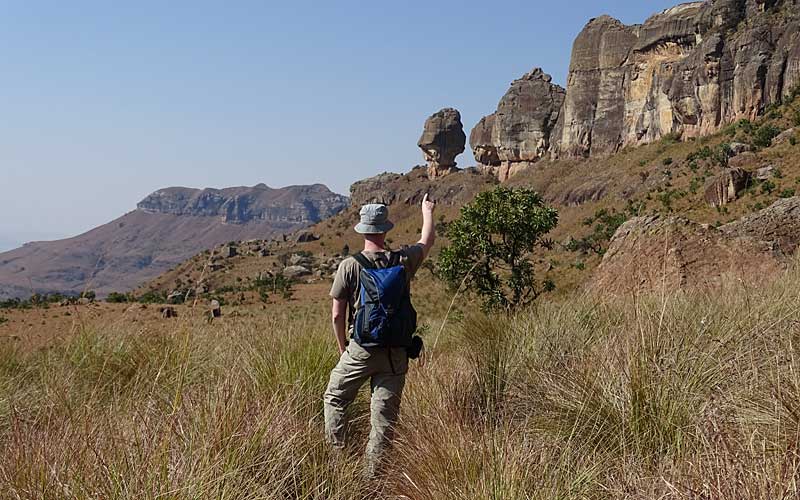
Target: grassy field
[666, 396]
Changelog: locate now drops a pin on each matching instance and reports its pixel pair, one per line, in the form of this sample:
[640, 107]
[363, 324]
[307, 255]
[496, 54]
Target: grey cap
[374, 219]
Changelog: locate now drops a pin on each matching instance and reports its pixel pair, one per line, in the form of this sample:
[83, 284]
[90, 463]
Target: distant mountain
[167, 227]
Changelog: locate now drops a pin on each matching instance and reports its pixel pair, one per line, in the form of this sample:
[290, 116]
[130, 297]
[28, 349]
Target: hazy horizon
[106, 103]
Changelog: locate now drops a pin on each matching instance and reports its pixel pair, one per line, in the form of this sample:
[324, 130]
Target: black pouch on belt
[416, 347]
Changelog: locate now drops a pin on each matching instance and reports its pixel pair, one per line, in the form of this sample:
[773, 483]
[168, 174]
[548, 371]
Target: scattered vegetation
[604, 224]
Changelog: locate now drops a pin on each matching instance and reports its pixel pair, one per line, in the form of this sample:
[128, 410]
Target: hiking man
[371, 300]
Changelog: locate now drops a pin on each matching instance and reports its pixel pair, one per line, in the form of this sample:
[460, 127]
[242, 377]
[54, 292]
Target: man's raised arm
[339, 318]
[428, 227]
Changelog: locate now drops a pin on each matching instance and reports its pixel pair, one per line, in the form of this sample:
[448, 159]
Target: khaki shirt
[347, 282]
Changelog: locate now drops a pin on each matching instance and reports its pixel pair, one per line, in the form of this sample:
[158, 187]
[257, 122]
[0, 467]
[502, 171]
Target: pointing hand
[428, 206]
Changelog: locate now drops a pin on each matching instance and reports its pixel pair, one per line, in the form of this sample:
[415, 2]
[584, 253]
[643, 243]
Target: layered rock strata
[686, 71]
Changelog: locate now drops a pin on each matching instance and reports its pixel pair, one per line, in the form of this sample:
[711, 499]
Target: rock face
[688, 71]
[725, 187]
[778, 224]
[519, 132]
[291, 206]
[670, 253]
[442, 140]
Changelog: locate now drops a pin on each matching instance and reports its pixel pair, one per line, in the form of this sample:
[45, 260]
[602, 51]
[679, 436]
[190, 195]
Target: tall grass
[685, 395]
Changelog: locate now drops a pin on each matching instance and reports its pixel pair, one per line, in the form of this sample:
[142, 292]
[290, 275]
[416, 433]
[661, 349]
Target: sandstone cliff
[686, 71]
[287, 208]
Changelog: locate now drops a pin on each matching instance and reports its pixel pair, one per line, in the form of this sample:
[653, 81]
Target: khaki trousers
[386, 370]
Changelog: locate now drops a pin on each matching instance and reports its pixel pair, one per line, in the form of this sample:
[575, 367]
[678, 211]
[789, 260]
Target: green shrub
[767, 187]
[605, 225]
[152, 297]
[764, 135]
[787, 193]
[490, 246]
[119, 298]
[666, 161]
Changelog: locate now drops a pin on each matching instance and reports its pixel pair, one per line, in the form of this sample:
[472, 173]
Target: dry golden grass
[681, 395]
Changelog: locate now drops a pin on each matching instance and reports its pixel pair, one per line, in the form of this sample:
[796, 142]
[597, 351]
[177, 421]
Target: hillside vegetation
[668, 395]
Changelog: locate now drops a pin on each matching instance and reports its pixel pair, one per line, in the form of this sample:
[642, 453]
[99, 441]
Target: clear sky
[104, 102]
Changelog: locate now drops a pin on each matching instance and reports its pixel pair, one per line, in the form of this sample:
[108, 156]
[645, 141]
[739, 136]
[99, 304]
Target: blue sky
[105, 102]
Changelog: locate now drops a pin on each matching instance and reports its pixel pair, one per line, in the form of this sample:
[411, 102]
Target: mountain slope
[168, 227]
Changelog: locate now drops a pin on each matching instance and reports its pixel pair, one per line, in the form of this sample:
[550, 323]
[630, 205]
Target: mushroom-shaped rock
[442, 139]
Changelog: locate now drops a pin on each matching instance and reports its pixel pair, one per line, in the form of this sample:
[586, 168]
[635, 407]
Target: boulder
[765, 172]
[742, 160]
[442, 140]
[168, 312]
[299, 260]
[785, 136]
[294, 272]
[658, 253]
[175, 297]
[230, 251]
[519, 132]
[306, 237]
[778, 224]
[726, 186]
[215, 310]
[737, 148]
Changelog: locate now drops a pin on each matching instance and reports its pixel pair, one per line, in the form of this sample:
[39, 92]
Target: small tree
[490, 246]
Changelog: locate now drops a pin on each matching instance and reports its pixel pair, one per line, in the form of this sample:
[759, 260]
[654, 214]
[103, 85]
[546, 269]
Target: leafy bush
[152, 297]
[277, 284]
[787, 193]
[767, 187]
[119, 298]
[605, 225]
[490, 243]
[764, 135]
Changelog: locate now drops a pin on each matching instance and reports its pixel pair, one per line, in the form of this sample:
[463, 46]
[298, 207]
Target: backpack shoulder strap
[363, 261]
[395, 259]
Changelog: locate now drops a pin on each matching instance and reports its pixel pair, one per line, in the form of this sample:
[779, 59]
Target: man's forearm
[340, 331]
[428, 232]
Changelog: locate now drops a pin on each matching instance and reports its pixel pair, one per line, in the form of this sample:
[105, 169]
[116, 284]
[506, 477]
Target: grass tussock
[680, 395]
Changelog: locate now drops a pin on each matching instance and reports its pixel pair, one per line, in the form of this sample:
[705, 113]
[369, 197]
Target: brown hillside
[168, 227]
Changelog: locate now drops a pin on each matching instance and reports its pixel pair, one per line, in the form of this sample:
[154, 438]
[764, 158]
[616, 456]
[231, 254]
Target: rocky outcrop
[686, 71]
[778, 224]
[293, 205]
[670, 253]
[519, 132]
[726, 186]
[442, 140]
[457, 188]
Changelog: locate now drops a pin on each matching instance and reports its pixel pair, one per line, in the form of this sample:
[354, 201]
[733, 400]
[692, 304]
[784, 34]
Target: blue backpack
[385, 317]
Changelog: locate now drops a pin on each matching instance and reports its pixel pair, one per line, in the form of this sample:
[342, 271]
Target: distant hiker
[371, 300]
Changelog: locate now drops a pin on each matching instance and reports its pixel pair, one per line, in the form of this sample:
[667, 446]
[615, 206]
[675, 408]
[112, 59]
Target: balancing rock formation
[688, 70]
[442, 140]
